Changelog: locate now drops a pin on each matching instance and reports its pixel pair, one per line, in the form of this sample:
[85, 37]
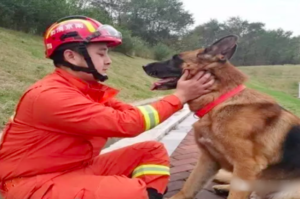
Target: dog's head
[206, 59]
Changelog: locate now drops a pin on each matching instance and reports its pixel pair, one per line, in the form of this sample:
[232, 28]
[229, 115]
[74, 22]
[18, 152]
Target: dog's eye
[177, 58]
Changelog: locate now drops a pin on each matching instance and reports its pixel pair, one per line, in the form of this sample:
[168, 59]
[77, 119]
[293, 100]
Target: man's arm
[118, 105]
[67, 111]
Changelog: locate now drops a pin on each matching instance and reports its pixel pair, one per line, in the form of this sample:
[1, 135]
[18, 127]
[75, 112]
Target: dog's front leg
[244, 175]
[205, 169]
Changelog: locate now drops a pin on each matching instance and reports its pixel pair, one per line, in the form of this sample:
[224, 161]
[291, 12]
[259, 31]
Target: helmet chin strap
[97, 76]
[91, 68]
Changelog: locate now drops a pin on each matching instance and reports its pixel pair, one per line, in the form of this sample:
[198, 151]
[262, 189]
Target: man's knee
[155, 149]
[152, 146]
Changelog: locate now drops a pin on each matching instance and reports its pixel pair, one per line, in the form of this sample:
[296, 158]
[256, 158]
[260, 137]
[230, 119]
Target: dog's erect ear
[225, 46]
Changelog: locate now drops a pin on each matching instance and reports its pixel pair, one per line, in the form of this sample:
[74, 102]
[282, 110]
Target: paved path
[184, 153]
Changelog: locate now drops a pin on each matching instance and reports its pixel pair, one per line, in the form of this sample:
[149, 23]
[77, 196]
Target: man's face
[99, 55]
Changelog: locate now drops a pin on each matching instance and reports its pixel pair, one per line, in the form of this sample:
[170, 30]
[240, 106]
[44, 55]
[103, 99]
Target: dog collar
[222, 98]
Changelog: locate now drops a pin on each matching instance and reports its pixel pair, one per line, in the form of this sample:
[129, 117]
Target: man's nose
[108, 61]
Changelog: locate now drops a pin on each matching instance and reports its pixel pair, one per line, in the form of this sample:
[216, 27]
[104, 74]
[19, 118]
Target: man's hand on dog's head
[189, 89]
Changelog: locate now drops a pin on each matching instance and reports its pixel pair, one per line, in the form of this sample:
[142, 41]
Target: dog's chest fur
[206, 138]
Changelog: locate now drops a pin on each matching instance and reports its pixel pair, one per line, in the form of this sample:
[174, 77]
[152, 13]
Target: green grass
[22, 62]
[283, 78]
[281, 82]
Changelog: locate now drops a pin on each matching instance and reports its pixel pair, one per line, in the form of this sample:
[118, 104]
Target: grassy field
[280, 82]
[22, 62]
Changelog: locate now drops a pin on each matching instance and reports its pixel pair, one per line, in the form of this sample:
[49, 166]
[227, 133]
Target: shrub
[127, 46]
[161, 51]
[143, 49]
[134, 46]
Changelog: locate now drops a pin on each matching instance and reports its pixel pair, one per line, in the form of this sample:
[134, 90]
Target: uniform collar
[97, 91]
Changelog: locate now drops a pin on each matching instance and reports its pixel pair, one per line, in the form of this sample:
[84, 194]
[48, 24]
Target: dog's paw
[223, 177]
[254, 196]
[221, 189]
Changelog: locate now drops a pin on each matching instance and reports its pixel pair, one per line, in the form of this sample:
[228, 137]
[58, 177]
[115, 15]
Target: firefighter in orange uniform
[50, 147]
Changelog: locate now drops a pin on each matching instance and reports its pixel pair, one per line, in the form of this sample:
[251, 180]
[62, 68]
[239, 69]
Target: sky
[274, 14]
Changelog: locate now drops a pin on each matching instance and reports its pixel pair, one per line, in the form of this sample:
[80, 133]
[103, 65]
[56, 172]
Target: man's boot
[153, 194]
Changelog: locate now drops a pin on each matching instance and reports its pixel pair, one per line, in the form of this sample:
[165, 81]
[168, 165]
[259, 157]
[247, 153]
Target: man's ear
[69, 54]
[72, 56]
[225, 46]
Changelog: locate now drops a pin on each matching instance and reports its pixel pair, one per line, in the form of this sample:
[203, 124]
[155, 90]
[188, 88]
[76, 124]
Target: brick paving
[183, 160]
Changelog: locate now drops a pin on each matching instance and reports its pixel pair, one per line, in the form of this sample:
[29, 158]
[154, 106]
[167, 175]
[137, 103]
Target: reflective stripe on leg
[151, 169]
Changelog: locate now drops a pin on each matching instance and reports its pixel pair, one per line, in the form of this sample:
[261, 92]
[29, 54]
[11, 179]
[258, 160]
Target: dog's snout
[150, 70]
[145, 68]
[152, 73]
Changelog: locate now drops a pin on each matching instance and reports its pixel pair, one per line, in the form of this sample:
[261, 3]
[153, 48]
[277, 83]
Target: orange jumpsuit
[50, 147]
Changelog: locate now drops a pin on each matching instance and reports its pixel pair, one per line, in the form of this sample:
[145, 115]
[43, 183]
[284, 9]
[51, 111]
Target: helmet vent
[69, 34]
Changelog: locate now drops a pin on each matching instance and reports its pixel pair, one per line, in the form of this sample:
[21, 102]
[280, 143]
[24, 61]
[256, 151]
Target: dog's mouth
[168, 72]
[165, 83]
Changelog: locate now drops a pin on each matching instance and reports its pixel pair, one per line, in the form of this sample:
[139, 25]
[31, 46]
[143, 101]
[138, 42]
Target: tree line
[257, 45]
[157, 28]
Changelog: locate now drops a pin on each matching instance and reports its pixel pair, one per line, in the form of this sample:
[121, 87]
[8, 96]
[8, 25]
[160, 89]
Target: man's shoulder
[50, 83]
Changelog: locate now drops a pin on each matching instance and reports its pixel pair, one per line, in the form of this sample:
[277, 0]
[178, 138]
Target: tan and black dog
[247, 134]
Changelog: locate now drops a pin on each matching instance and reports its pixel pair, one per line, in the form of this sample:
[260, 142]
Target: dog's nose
[144, 67]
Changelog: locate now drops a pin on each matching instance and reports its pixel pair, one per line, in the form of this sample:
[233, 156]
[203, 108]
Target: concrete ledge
[156, 133]
[174, 138]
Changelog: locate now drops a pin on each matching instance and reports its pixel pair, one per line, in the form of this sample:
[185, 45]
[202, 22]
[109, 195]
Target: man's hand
[192, 88]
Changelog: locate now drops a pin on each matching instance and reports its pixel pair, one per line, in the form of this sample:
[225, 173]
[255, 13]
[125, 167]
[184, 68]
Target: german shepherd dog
[248, 140]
